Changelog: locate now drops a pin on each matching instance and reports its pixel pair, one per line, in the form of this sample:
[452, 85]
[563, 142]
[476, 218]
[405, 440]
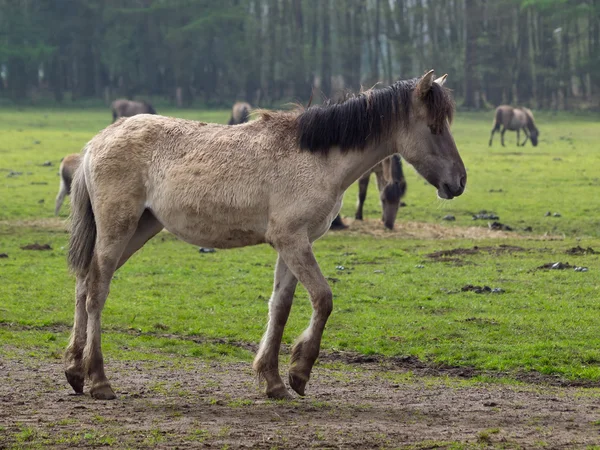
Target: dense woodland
[541, 53]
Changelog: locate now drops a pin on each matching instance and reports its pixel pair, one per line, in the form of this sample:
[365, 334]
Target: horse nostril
[463, 181]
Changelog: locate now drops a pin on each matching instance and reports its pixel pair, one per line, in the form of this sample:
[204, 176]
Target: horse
[515, 119]
[129, 108]
[240, 113]
[392, 187]
[277, 180]
[67, 169]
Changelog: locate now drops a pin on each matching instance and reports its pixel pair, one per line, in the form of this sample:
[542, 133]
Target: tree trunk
[472, 33]
[326, 53]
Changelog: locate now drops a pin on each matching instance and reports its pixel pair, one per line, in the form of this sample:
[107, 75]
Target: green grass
[169, 296]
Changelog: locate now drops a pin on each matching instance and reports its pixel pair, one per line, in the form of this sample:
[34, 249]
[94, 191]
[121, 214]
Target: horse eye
[433, 129]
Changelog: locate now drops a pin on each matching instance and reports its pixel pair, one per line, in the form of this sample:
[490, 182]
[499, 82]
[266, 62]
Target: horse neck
[349, 166]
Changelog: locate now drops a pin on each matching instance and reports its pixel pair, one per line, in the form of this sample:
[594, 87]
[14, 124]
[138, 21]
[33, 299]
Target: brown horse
[279, 180]
[515, 119]
[67, 169]
[392, 187]
[240, 113]
[128, 108]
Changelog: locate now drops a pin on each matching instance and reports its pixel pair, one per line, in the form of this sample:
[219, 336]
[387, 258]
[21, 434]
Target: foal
[67, 169]
[515, 119]
[279, 180]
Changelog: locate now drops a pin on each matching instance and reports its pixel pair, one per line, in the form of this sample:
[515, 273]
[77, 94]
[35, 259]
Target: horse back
[504, 115]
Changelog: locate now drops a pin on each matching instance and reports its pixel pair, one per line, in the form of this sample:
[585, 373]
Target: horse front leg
[363, 184]
[492, 137]
[299, 257]
[526, 136]
[518, 136]
[266, 363]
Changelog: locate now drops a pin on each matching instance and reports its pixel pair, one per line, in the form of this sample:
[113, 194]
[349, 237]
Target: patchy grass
[390, 298]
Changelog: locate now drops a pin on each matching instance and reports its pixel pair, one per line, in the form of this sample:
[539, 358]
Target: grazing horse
[67, 169]
[391, 185]
[278, 180]
[240, 113]
[515, 119]
[128, 108]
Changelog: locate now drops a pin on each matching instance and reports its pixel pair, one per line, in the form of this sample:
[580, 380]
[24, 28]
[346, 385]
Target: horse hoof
[297, 383]
[103, 392]
[279, 393]
[76, 381]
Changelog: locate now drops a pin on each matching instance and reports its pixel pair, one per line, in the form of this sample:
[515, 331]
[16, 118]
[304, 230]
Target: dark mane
[369, 117]
[529, 116]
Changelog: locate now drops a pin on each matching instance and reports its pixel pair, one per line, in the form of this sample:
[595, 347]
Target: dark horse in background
[515, 119]
[128, 108]
[391, 185]
[240, 113]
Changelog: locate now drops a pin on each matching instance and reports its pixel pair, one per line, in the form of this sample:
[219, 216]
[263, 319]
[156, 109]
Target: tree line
[539, 53]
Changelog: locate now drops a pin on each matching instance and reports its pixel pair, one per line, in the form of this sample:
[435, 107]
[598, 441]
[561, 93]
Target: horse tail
[83, 225]
[497, 119]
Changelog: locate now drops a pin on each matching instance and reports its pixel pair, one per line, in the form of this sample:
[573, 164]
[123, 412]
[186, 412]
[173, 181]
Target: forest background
[541, 53]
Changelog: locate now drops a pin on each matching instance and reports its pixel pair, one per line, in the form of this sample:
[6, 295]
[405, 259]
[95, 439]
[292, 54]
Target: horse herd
[278, 179]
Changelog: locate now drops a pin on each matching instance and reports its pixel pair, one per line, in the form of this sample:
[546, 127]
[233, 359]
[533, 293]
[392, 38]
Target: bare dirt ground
[354, 406]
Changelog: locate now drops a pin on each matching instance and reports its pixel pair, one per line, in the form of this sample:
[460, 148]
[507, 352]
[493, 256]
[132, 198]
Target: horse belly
[212, 224]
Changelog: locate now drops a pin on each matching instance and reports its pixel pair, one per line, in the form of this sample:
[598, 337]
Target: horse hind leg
[502, 136]
[518, 137]
[73, 359]
[117, 240]
[62, 193]
[266, 363]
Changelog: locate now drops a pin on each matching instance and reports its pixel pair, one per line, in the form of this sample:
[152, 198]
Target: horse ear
[441, 80]
[424, 84]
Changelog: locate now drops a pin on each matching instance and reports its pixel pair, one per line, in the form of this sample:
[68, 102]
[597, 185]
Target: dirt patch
[36, 246]
[370, 227]
[581, 251]
[500, 249]
[219, 405]
[481, 289]
[3, 255]
[422, 230]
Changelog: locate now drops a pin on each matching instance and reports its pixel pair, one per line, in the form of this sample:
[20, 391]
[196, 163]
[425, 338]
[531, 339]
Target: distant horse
[240, 113]
[391, 185]
[515, 119]
[279, 180]
[67, 169]
[128, 108]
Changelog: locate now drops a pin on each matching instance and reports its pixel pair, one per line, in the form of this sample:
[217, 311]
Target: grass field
[393, 296]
